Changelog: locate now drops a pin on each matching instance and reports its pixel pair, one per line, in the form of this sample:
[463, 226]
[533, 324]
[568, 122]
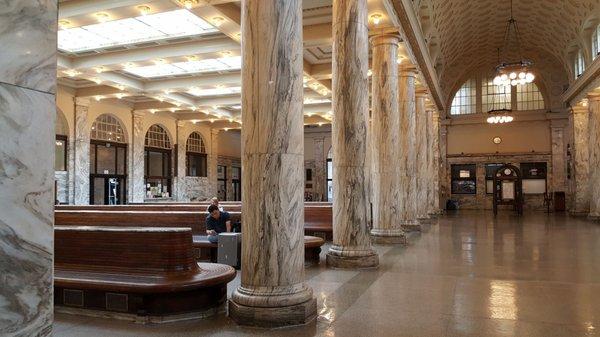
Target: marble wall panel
[136, 175]
[594, 153]
[26, 210]
[28, 44]
[62, 186]
[581, 195]
[82, 152]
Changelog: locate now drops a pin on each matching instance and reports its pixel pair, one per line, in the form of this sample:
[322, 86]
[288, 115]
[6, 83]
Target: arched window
[108, 128]
[579, 64]
[494, 97]
[196, 156]
[158, 168]
[529, 97]
[158, 137]
[596, 42]
[330, 174]
[465, 100]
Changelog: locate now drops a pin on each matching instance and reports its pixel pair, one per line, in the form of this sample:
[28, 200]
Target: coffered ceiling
[464, 35]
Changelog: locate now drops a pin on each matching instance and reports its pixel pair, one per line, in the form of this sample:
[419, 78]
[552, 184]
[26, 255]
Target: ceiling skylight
[215, 91]
[146, 28]
[190, 67]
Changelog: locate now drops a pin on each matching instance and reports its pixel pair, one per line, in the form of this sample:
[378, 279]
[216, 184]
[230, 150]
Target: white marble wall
[81, 168]
[273, 291]
[62, 186]
[408, 157]
[136, 172]
[581, 157]
[351, 238]
[27, 115]
[594, 161]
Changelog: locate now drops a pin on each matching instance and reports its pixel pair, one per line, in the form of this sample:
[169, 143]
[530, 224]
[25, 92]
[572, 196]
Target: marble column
[138, 144]
[434, 162]
[384, 138]
[272, 291]
[179, 181]
[408, 156]
[27, 119]
[212, 162]
[351, 238]
[422, 154]
[581, 197]
[82, 152]
[319, 176]
[594, 153]
[443, 180]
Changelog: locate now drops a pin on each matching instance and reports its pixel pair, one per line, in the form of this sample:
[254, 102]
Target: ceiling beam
[72, 8]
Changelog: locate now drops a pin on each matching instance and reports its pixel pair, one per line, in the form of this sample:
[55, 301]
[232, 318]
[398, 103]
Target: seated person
[215, 201]
[216, 222]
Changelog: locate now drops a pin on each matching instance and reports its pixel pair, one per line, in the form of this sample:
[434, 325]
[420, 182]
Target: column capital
[385, 38]
[82, 101]
[215, 131]
[421, 92]
[580, 109]
[408, 70]
[181, 123]
[138, 114]
[593, 96]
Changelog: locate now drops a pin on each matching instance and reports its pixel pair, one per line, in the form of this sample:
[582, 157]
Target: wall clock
[497, 140]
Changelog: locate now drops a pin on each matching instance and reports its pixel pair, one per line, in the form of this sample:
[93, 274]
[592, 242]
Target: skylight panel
[160, 26]
[216, 91]
[190, 67]
[156, 70]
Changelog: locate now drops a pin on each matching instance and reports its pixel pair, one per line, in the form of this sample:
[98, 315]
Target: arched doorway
[158, 174]
[108, 162]
[508, 188]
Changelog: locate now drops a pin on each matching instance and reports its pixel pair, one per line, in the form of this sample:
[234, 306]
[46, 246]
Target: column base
[388, 236]
[298, 314]
[341, 258]
[411, 226]
[288, 306]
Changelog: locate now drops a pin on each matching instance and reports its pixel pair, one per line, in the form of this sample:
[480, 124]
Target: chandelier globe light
[512, 72]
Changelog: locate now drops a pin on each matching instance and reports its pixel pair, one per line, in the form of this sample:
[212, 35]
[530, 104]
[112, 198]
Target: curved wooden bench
[312, 248]
[318, 221]
[146, 272]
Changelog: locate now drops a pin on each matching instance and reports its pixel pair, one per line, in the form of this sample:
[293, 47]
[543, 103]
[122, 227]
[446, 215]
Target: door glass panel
[98, 191]
[59, 157]
[113, 191]
[106, 159]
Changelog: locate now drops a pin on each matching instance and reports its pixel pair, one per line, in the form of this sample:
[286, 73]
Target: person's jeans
[213, 238]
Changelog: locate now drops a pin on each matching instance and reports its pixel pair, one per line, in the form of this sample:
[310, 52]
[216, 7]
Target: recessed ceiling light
[144, 10]
[98, 98]
[129, 65]
[376, 19]
[120, 95]
[160, 61]
[226, 53]
[217, 21]
[152, 111]
[100, 69]
[192, 58]
[64, 24]
[72, 72]
[102, 17]
[96, 80]
[188, 3]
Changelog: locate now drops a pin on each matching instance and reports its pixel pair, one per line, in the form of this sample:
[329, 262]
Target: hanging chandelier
[512, 72]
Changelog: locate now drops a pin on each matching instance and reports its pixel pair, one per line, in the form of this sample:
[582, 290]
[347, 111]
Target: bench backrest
[320, 217]
[126, 249]
[194, 220]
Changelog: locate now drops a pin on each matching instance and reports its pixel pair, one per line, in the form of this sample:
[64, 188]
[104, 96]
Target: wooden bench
[318, 221]
[195, 220]
[141, 273]
[209, 250]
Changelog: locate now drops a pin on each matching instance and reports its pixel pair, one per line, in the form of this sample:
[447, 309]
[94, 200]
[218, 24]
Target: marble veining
[557, 135]
[319, 174]
[408, 155]
[435, 207]
[28, 44]
[421, 139]
[136, 177]
[351, 238]
[27, 216]
[594, 161]
[272, 290]
[82, 152]
[581, 198]
[384, 138]
[62, 186]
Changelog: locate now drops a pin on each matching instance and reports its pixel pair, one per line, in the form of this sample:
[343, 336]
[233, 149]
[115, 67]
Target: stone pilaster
[557, 134]
[27, 119]
[408, 155]
[212, 163]
[351, 238]
[319, 175]
[434, 162]
[443, 177]
[422, 155]
[384, 138]
[581, 197]
[136, 175]
[594, 153]
[82, 152]
[272, 290]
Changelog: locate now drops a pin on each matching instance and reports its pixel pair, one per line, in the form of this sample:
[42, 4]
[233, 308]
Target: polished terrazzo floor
[468, 275]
